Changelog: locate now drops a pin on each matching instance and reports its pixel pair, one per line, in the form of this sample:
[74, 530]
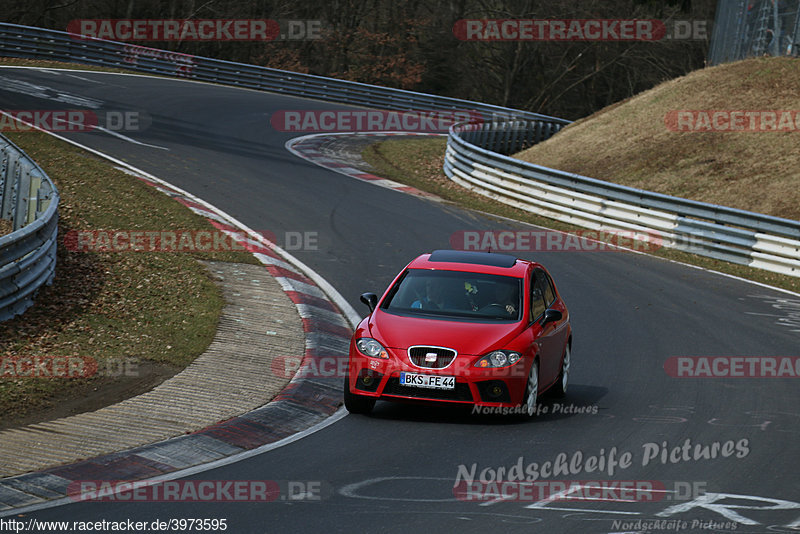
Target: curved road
[394, 471]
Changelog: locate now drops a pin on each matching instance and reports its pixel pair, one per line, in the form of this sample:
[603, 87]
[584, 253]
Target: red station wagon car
[473, 328]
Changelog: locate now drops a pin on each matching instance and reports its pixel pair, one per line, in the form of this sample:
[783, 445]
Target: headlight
[369, 347]
[499, 358]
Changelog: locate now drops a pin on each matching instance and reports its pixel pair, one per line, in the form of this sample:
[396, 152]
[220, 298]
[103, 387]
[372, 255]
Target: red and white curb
[308, 148]
[308, 403]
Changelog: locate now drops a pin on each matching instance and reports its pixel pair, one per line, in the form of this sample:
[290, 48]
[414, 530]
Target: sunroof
[478, 258]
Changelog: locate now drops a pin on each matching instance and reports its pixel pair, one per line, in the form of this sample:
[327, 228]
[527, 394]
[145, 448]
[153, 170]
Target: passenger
[432, 299]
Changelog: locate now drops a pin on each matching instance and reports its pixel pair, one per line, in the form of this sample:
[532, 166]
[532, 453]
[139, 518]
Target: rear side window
[537, 303]
[542, 281]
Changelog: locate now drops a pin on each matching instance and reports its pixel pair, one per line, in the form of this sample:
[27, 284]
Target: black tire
[559, 389]
[356, 403]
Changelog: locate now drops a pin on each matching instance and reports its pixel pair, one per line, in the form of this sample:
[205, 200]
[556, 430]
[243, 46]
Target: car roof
[480, 262]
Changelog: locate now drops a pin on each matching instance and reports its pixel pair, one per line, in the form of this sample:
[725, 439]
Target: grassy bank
[141, 316]
[641, 143]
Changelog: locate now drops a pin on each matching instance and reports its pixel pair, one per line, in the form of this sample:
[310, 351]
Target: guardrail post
[7, 183]
[35, 182]
[13, 191]
[22, 190]
[43, 197]
[537, 136]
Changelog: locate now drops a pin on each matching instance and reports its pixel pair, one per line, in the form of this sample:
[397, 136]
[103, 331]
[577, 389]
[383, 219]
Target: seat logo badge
[430, 357]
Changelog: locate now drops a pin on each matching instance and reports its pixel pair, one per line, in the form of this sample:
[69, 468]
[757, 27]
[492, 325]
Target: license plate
[427, 381]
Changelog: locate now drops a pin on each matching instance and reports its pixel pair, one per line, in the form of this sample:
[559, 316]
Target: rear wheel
[531, 391]
[560, 387]
[356, 403]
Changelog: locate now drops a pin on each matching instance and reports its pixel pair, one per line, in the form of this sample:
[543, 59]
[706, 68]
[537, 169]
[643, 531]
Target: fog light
[366, 380]
[496, 391]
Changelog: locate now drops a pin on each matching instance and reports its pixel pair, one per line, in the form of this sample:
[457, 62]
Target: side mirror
[551, 316]
[371, 300]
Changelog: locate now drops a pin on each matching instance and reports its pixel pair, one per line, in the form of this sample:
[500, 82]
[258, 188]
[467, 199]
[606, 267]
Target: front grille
[460, 393]
[443, 357]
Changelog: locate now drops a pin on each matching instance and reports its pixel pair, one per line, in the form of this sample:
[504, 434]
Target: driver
[504, 295]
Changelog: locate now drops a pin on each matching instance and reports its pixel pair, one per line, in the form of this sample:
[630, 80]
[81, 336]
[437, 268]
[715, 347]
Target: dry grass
[159, 309]
[628, 143]
[5, 227]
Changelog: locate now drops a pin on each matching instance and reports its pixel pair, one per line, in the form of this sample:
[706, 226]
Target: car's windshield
[456, 294]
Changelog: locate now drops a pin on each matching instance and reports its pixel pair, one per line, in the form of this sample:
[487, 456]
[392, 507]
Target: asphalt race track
[395, 470]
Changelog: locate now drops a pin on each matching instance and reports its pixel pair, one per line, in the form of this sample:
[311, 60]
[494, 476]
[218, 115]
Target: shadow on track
[579, 400]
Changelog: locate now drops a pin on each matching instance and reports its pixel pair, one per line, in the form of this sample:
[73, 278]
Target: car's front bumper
[380, 378]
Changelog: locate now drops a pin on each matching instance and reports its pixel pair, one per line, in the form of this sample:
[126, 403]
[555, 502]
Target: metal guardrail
[39, 43]
[476, 154]
[754, 28]
[476, 159]
[29, 200]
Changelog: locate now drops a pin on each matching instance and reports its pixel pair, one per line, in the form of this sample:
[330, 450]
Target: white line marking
[114, 134]
[351, 490]
[47, 93]
[55, 72]
[128, 139]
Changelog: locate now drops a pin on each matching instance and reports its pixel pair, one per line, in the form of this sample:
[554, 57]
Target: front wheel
[531, 392]
[356, 403]
[560, 387]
